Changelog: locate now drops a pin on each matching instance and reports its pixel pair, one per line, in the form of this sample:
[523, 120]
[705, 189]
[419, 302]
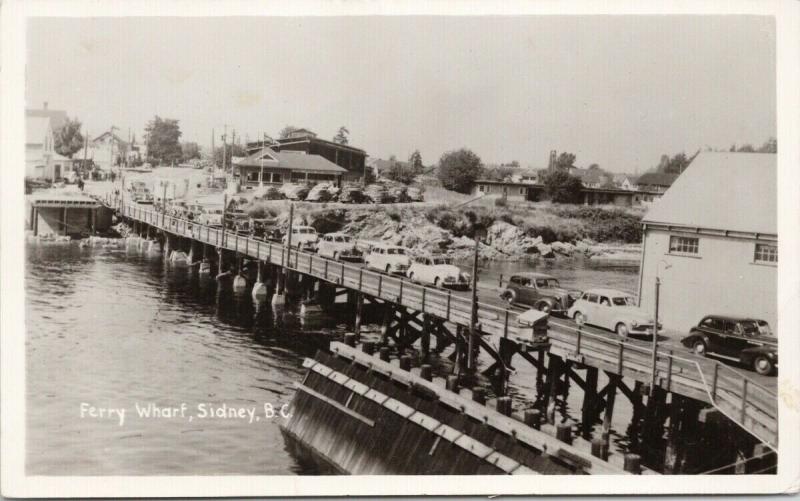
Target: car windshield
[624, 301]
[396, 250]
[304, 230]
[442, 260]
[546, 282]
[764, 328]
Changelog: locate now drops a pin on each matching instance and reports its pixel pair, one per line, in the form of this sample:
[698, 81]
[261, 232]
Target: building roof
[657, 179]
[36, 129]
[62, 198]
[723, 191]
[57, 117]
[380, 165]
[313, 139]
[292, 161]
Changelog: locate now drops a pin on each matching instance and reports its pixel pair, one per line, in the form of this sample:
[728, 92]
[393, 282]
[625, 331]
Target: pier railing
[741, 399]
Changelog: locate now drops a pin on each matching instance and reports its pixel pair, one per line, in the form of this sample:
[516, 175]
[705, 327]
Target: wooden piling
[533, 418]
[503, 405]
[632, 464]
[589, 403]
[358, 297]
[350, 339]
[426, 372]
[452, 383]
[564, 432]
[479, 395]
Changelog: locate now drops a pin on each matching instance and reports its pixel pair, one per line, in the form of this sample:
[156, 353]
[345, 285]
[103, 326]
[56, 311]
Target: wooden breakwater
[363, 415]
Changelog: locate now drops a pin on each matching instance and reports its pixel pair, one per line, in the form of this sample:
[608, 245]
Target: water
[113, 329]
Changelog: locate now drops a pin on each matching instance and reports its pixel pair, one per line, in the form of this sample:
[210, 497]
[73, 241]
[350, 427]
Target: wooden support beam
[358, 297]
[589, 403]
[610, 397]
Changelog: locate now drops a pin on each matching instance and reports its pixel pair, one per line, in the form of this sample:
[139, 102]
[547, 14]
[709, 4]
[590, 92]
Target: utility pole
[213, 150]
[655, 336]
[473, 324]
[288, 247]
[224, 148]
[85, 150]
[261, 175]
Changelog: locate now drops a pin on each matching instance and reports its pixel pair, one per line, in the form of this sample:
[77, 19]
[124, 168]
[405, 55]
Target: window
[683, 245]
[522, 191]
[592, 298]
[481, 188]
[766, 253]
[604, 301]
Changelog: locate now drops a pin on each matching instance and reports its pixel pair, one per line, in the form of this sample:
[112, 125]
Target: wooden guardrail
[750, 405]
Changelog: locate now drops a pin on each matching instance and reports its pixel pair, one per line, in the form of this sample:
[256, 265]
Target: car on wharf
[303, 238]
[613, 310]
[748, 341]
[540, 291]
[438, 271]
[211, 216]
[388, 258]
[340, 247]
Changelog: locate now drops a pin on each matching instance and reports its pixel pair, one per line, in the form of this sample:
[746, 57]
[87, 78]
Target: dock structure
[678, 403]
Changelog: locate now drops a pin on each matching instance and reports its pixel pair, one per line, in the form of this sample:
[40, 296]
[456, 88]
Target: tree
[498, 173]
[68, 138]
[341, 135]
[287, 131]
[400, 172]
[565, 160]
[459, 169]
[231, 150]
[163, 140]
[746, 148]
[189, 150]
[594, 167]
[562, 187]
[415, 161]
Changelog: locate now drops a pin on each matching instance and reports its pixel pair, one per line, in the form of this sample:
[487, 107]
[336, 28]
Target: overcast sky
[618, 91]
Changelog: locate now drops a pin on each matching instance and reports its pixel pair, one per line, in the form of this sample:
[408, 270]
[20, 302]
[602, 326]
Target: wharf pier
[680, 403]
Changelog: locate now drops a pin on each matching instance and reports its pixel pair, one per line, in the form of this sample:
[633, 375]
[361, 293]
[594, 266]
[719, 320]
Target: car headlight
[634, 323]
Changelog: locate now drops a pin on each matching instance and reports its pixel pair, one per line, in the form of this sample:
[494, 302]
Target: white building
[712, 239]
[41, 159]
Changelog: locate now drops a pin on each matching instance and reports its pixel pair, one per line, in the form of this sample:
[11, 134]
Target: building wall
[50, 221]
[722, 279]
[514, 192]
[352, 161]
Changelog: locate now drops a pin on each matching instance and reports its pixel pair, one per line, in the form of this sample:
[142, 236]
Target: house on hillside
[593, 178]
[712, 239]
[658, 182]
[625, 182]
[41, 160]
[303, 141]
[268, 166]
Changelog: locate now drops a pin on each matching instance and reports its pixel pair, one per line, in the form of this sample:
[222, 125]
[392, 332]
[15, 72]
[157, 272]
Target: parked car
[211, 216]
[320, 193]
[299, 192]
[303, 238]
[414, 194]
[746, 340]
[265, 228]
[142, 196]
[238, 221]
[400, 194]
[352, 195]
[388, 258]
[339, 246]
[438, 271]
[613, 310]
[377, 194]
[286, 188]
[539, 291]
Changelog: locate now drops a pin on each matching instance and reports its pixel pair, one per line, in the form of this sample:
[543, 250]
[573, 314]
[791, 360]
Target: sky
[618, 91]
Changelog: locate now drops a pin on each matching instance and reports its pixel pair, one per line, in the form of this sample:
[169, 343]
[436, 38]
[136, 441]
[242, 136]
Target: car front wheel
[579, 318]
[544, 307]
[763, 365]
[622, 330]
[699, 348]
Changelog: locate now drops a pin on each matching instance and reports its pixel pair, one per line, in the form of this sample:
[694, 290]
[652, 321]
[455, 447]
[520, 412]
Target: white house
[41, 159]
[106, 150]
[712, 239]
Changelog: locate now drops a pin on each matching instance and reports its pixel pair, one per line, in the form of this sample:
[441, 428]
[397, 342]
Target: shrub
[259, 210]
[459, 169]
[561, 187]
[500, 202]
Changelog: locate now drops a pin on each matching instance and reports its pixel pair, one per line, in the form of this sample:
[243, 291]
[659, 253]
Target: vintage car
[238, 221]
[438, 271]
[298, 192]
[265, 228]
[377, 194]
[322, 192]
[211, 216]
[613, 310]
[745, 340]
[303, 238]
[339, 246]
[352, 195]
[540, 291]
[388, 258]
[414, 194]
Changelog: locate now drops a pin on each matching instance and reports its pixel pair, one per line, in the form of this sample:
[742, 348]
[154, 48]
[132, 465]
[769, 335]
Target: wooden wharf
[686, 391]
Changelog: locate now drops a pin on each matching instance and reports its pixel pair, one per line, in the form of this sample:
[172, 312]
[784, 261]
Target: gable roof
[57, 117]
[380, 165]
[36, 129]
[658, 178]
[723, 191]
[293, 161]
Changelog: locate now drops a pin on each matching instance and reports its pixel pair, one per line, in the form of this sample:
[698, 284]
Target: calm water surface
[113, 329]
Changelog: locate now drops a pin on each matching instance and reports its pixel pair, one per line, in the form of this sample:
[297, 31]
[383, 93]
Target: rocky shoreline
[505, 241]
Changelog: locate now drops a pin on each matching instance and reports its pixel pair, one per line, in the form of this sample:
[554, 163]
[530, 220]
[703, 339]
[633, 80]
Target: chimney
[45, 105]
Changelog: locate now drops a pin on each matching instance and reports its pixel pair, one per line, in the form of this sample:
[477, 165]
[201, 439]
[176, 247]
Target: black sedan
[745, 340]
